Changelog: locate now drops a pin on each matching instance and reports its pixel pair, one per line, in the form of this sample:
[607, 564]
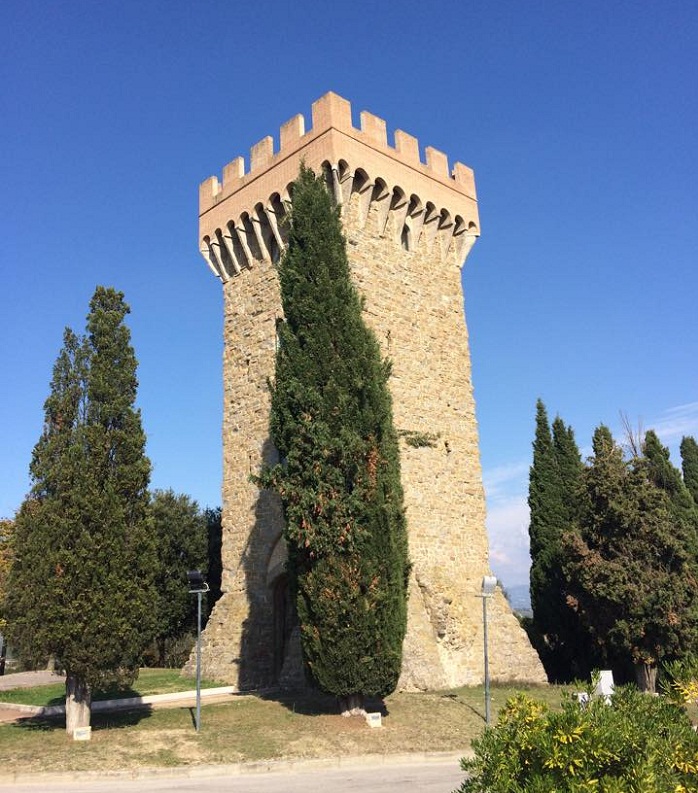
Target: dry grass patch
[249, 728]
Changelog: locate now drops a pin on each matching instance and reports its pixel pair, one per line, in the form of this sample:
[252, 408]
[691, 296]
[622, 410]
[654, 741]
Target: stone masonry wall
[409, 227]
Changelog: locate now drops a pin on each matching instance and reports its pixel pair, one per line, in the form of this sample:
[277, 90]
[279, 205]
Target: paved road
[29, 679]
[423, 777]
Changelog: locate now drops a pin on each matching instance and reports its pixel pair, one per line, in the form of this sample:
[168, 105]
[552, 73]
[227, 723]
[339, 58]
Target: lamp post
[489, 584]
[197, 586]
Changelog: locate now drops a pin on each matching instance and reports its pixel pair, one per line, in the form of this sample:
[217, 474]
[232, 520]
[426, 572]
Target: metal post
[487, 667]
[197, 586]
[489, 585]
[198, 662]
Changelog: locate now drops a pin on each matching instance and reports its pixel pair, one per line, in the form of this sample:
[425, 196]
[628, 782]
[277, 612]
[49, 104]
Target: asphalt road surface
[428, 777]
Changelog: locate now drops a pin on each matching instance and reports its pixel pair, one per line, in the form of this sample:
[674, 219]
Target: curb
[128, 703]
[240, 769]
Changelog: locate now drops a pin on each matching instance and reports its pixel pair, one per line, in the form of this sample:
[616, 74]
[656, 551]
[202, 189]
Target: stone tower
[409, 226]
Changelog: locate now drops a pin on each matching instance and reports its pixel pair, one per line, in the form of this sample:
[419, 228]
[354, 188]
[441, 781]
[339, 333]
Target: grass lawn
[251, 727]
[150, 681]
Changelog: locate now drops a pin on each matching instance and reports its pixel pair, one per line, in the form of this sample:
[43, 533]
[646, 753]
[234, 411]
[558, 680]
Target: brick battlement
[332, 113]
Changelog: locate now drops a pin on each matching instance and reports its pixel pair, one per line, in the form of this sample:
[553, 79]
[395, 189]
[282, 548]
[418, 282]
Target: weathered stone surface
[409, 227]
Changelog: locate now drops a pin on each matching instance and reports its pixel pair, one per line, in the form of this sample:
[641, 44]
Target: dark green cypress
[665, 476]
[80, 587]
[556, 496]
[340, 477]
[629, 574]
[689, 465]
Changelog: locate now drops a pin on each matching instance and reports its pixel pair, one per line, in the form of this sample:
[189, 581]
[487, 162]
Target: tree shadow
[259, 661]
[308, 701]
[101, 720]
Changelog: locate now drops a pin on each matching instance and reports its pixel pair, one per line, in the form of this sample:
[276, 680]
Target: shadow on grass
[310, 702]
[455, 698]
[106, 720]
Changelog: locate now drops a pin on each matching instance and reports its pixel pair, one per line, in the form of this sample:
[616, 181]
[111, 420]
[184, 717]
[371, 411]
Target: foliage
[630, 576]
[7, 530]
[663, 475]
[556, 498]
[680, 680]
[214, 531]
[689, 465]
[639, 743]
[340, 478]
[180, 533]
[171, 653]
[419, 440]
[80, 587]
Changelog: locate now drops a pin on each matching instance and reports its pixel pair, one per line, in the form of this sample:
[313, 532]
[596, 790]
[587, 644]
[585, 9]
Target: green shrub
[174, 654]
[679, 682]
[637, 744]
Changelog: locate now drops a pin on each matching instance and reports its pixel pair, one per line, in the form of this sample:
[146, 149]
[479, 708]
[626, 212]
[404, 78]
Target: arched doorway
[284, 622]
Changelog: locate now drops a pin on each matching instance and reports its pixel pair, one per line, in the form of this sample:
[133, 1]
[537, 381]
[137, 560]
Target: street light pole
[489, 584]
[197, 586]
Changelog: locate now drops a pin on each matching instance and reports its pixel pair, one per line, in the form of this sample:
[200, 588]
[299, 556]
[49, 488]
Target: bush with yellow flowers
[637, 743]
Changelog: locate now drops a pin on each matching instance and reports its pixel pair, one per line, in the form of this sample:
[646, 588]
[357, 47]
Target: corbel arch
[415, 218]
[239, 255]
[225, 256]
[464, 236]
[211, 258]
[246, 235]
[277, 214]
[431, 224]
[445, 231]
[399, 204]
[270, 245]
[362, 188]
[380, 203]
[346, 180]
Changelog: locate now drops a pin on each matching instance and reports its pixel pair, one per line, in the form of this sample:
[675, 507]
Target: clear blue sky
[579, 120]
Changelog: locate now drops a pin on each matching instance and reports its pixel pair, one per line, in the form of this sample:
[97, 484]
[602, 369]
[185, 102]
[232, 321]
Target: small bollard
[373, 719]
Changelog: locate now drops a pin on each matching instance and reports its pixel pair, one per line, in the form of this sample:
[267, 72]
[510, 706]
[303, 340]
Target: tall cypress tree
[555, 500]
[340, 477]
[689, 465]
[665, 476]
[80, 586]
[544, 506]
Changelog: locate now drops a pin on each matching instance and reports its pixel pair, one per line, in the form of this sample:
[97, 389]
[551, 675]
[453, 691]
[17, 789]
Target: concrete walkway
[23, 680]
[14, 712]
[29, 679]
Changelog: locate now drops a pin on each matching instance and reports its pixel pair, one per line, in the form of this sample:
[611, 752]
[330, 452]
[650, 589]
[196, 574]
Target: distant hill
[519, 598]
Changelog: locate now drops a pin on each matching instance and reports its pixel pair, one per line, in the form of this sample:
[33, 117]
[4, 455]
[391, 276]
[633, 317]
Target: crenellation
[437, 161]
[332, 114]
[407, 146]
[331, 110]
[292, 131]
[375, 129]
[261, 153]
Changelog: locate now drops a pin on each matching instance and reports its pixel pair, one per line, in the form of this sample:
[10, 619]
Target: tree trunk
[353, 705]
[78, 699]
[646, 677]
[161, 652]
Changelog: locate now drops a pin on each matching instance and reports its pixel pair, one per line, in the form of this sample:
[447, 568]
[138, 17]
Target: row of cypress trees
[614, 551]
